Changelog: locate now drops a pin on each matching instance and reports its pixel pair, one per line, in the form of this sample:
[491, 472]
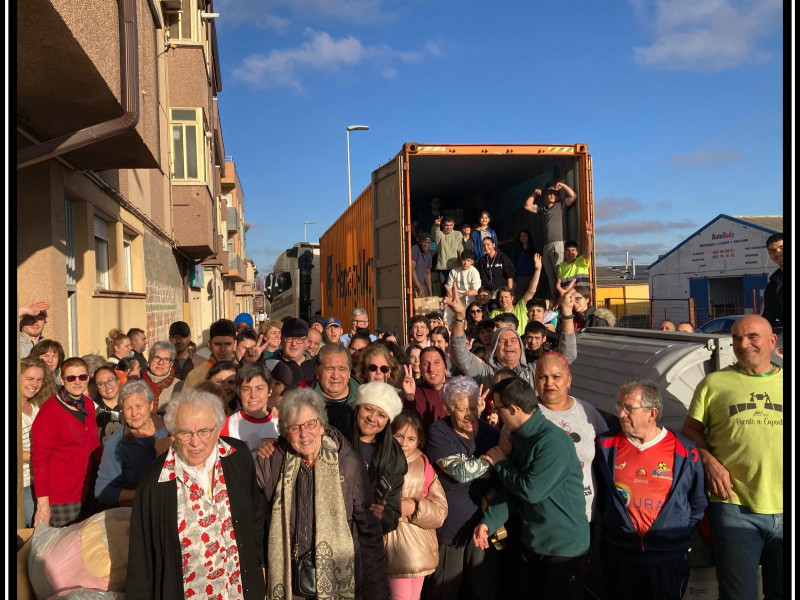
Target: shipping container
[366, 253]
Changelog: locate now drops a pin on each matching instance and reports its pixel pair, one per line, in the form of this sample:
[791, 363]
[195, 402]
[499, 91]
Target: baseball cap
[552, 188]
[180, 328]
[332, 321]
[294, 327]
[316, 319]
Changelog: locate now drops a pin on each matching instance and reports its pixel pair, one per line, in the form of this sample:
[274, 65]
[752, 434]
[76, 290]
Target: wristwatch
[567, 317]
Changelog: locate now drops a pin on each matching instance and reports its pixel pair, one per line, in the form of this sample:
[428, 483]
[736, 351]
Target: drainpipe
[129, 88]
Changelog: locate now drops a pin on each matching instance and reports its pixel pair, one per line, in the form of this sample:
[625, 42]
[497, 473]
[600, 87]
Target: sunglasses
[71, 378]
[383, 368]
[476, 310]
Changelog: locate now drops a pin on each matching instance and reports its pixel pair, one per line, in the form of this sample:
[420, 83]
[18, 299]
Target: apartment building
[120, 211]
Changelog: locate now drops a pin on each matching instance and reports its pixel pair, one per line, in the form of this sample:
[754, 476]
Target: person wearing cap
[294, 340]
[359, 320]
[179, 336]
[332, 330]
[377, 404]
[316, 322]
[282, 378]
[421, 263]
[552, 209]
[31, 327]
[243, 321]
[221, 344]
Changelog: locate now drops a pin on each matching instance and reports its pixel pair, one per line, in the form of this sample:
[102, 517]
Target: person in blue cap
[243, 321]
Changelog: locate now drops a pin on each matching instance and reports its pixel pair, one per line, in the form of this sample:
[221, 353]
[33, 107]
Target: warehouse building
[721, 269]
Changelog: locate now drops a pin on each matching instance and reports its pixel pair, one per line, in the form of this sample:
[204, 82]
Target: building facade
[122, 220]
[723, 267]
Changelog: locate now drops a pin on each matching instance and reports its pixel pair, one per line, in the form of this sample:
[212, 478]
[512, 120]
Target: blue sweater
[686, 502]
[125, 458]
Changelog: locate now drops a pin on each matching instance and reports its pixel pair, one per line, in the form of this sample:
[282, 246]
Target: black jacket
[500, 271]
[773, 299]
[154, 556]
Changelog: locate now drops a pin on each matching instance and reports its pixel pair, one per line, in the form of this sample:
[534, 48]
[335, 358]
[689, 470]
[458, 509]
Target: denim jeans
[743, 539]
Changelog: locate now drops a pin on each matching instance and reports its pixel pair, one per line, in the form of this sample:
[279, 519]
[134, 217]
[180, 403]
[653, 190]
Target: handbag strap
[296, 535]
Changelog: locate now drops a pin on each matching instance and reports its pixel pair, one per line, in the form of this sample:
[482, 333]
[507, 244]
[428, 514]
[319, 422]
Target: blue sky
[679, 101]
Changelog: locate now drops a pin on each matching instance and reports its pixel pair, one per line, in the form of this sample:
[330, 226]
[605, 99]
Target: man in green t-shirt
[576, 266]
[505, 298]
[736, 420]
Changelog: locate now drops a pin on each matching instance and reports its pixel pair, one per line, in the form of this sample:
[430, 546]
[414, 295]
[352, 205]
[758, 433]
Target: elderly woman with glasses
[322, 537]
[160, 375]
[197, 525]
[131, 448]
[65, 449]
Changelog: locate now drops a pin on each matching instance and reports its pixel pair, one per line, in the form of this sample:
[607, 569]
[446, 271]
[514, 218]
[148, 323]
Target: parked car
[720, 324]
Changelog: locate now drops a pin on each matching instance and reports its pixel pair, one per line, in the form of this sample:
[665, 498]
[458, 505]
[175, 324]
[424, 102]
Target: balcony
[220, 259]
[232, 218]
[69, 78]
[193, 218]
[237, 270]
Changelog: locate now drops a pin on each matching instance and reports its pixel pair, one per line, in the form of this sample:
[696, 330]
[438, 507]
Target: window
[127, 262]
[182, 25]
[188, 152]
[101, 253]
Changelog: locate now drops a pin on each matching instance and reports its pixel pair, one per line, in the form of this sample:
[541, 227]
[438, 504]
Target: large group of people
[297, 459]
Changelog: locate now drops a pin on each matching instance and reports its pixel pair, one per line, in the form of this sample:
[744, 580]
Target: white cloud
[639, 227]
[267, 13]
[706, 35]
[610, 207]
[713, 154]
[282, 68]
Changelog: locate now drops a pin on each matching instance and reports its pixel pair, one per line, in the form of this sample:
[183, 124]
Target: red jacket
[64, 452]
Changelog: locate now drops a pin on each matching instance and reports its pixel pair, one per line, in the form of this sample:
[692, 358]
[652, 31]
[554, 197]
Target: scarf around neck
[333, 542]
[159, 384]
[79, 403]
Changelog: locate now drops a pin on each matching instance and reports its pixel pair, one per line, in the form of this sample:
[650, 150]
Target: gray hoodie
[483, 372]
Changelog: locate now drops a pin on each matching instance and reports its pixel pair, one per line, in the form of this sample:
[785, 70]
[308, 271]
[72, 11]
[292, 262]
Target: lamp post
[349, 129]
[305, 229]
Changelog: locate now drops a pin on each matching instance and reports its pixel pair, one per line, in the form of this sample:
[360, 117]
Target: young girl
[482, 231]
[412, 551]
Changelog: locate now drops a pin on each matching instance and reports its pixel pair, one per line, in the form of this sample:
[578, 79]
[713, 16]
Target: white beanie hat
[382, 395]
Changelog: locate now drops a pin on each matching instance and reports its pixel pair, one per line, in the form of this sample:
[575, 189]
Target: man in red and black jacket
[650, 493]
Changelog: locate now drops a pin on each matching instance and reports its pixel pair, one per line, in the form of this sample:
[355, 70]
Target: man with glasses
[160, 376]
[359, 320]
[294, 341]
[221, 344]
[542, 481]
[650, 493]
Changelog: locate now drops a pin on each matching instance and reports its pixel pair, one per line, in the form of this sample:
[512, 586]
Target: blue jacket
[668, 536]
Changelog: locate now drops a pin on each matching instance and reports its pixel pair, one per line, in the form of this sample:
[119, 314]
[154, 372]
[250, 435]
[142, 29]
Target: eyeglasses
[203, 434]
[296, 340]
[362, 323]
[476, 310]
[628, 408]
[161, 359]
[106, 383]
[383, 368]
[71, 378]
[308, 426]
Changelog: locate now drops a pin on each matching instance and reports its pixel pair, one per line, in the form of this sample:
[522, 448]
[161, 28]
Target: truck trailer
[365, 256]
[293, 286]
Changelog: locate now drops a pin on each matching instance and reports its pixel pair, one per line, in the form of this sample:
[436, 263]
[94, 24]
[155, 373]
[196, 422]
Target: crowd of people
[298, 459]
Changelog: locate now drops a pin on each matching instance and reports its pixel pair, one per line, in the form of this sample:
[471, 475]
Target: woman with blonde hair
[36, 385]
[118, 346]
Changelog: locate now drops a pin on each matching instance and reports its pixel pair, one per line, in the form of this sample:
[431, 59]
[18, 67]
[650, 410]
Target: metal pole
[349, 194]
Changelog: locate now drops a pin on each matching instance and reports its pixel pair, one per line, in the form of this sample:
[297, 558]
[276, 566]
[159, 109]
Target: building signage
[724, 246]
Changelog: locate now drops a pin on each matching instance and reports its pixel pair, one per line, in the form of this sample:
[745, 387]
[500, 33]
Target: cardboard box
[427, 304]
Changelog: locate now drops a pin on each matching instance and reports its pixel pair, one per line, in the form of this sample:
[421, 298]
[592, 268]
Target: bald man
[736, 420]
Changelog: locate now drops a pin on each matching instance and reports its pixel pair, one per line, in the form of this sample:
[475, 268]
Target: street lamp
[349, 129]
[305, 226]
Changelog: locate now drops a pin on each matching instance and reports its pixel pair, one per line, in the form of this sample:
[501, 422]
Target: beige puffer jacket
[412, 549]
